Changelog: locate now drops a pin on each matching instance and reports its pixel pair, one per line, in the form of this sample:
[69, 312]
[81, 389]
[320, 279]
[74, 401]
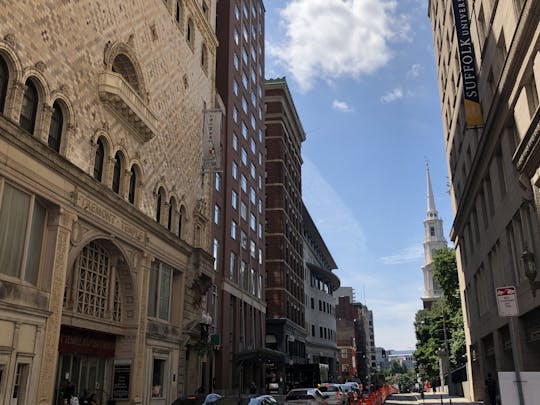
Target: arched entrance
[98, 302]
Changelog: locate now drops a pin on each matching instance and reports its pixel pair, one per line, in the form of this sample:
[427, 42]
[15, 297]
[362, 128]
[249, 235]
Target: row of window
[31, 100]
[323, 306]
[324, 333]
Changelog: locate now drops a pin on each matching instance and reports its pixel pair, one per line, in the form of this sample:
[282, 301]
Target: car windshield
[329, 388]
[298, 395]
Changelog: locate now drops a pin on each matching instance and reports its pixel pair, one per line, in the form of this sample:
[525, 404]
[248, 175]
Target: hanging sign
[507, 301]
[473, 111]
[211, 153]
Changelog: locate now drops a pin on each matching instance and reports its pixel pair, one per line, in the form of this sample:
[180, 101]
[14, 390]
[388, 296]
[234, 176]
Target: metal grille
[92, 297]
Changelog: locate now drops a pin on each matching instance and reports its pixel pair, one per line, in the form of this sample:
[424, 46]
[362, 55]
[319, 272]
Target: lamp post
[529, 266]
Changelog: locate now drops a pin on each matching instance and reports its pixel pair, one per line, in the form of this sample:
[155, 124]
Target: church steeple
[434, 239]
[431, 210]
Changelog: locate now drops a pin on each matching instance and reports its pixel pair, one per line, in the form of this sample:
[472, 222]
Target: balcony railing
[120, 96]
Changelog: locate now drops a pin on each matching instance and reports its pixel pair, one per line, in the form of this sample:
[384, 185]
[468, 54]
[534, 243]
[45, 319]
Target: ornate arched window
[98, 160]
[27, 119]
[96, 287]
[123, 65]
[55, 130]
[132, 185]
[117, 173]
[180, 220]
[172, 209]
[190, 34]
[178, 12]
[4, 80]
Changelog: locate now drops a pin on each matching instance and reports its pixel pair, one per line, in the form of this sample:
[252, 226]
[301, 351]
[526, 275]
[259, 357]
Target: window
[204, 58]
[232, 268]
[244, 105]
[172, 208]
[244, 184]
[236, 12]
[217, 181]
[234, 199]
[252, 222]
[22, 225]
[178, 12]
[252, 171]
[190, 34]
[98, 160]
[20, 383]
[235, 114]
[117, 173]
[243, 210]
[259, 286]
[235, 141]
[159, 202]
[252, 249]
[216, 214]
[132, 185]
[260, 231]
[312, 330]
[236, 36]
[95, 283]
[4, 81]
[243, 274]
[243, 154]
[252, 196]
[29, 107]
[260, 256]
[234, 170]
[244, 80]
[235, 61]
[252, 145]
[234, 227]
[244, 130]
[159, 294]
[252, 281]
[235, 87]
[243, 240]
[260, 206]
[158, 378]
[216, 254]
[244, 56]
[55, 129]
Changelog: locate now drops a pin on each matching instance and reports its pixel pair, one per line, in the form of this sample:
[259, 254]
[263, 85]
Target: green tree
[444, 316]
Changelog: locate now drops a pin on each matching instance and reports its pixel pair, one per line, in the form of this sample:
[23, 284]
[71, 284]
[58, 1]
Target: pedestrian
[491, 389]
[252, 388]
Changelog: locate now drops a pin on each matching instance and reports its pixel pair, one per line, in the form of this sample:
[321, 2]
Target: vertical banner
[473, 111]
[211, 154]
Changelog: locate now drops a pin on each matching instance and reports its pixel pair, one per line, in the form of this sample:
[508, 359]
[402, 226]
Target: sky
[363, 79]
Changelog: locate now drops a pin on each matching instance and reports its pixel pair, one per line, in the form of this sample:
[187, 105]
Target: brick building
[285, 317]
[238, 203]
[105, 255]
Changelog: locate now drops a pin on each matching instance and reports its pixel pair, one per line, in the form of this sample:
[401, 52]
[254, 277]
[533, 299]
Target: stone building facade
[493, 176]
[104, 226]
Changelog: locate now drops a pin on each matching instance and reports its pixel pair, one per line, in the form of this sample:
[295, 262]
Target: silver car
[335, 394]
[306, 396]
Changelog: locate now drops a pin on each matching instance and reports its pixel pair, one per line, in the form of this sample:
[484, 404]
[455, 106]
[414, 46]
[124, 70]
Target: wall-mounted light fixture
[529, 265]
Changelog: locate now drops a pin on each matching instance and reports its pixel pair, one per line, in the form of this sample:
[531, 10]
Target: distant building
[381, 359]
[403, 357]
[359, 318]
[433, 240]
[320, 285]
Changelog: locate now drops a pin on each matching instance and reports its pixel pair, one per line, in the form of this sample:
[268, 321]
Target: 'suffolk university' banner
[211, 141]
[473, 111]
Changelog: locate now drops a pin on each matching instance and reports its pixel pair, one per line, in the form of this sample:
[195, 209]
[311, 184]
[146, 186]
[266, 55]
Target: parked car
[335, 393]
[306, 396]
[350, 391]
[263, 400]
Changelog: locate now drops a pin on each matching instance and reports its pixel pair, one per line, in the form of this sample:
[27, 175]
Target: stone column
[63, 221]
[139, 365]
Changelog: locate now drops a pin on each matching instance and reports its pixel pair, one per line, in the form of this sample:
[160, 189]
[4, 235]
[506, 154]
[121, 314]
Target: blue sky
[363, 79]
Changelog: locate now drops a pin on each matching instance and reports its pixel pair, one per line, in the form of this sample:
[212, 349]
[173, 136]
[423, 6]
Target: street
[414, 399]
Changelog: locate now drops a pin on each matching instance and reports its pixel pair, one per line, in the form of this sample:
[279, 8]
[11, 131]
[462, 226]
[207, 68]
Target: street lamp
[529, 265]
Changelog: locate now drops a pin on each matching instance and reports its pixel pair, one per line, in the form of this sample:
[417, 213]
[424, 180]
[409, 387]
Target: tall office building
[489, 95]
[239, 310]
[285, 322]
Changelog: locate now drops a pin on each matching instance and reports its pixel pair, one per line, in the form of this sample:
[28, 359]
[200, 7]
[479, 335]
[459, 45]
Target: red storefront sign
[83, 341]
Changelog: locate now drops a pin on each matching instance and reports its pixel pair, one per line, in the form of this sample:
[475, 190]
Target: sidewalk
[431, 399]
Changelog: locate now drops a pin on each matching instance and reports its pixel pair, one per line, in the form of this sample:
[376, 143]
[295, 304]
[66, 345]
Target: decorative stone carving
[10, 39]
[41, 66]
[201, 207]
[200, 287]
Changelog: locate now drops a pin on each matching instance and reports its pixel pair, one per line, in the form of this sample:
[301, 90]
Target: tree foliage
[444, 316]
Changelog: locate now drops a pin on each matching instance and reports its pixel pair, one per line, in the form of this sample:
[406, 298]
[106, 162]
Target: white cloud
[415, 70]
[407, 255]
[341, 106]
[392, 95]
[330, 39]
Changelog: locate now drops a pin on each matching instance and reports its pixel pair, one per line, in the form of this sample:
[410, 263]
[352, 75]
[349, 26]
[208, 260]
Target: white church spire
[433, 240]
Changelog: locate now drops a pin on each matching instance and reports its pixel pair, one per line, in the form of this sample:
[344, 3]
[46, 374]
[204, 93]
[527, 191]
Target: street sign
[507, 301]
